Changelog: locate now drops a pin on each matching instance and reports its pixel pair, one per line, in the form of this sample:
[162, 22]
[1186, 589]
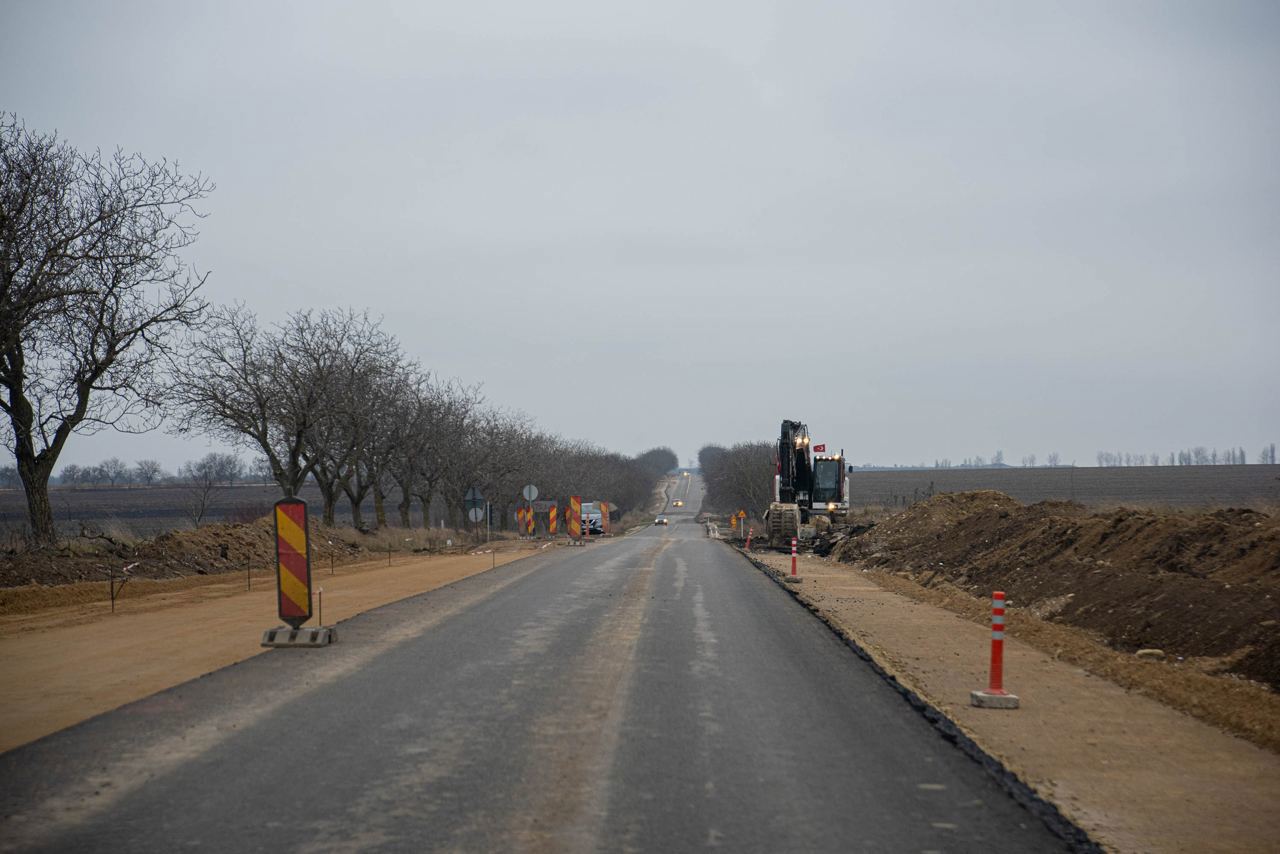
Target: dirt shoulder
[1134, 773]
[62, 665]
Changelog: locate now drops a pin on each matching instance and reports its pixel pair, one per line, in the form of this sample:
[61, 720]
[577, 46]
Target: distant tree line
[740, 477]
[102, 325]
[1197, 456]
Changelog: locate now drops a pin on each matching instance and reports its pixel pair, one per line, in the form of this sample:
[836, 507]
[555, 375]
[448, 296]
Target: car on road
[661, 520]
[677, 503]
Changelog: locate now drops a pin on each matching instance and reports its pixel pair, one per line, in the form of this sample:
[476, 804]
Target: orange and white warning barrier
[996, 697]
[996, 682]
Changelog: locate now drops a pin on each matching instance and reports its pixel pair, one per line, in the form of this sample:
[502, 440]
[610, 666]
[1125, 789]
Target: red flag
[820, 449]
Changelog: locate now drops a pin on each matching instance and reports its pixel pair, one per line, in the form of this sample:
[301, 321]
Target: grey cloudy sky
[929, 230]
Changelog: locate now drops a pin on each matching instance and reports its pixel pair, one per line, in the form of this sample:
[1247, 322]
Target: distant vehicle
[685, 473]
[661, 520]
[677, 503]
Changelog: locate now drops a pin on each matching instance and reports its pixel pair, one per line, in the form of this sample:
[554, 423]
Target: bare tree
[114, 470]
[245, 385]
[202, 479]
[147, 472]
[91, 290]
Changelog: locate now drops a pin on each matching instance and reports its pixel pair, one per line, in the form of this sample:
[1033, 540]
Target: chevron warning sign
[604, 516]
[553, 516]
[293, 562]
[575, 516]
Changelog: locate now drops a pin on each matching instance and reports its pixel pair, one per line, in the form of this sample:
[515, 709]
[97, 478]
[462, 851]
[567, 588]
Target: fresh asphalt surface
[651, 693]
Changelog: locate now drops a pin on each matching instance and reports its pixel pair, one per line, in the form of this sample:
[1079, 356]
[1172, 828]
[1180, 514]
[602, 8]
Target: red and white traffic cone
[995, 697]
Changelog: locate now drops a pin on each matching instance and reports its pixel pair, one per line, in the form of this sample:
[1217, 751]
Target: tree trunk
[35, 482]
[328, 500]
[379, 507]
[357, 516]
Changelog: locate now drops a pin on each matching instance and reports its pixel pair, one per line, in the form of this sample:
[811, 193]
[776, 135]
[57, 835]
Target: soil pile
[204, 551]
[1201, 586]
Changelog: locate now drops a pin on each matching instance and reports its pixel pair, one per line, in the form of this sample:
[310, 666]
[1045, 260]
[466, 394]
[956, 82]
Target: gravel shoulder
[60, 666]
[1134, 773]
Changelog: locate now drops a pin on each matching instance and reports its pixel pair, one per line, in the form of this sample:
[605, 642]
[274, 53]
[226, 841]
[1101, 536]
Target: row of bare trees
[1197, 456]
[740, 477]
[330, 395]
[102, 326]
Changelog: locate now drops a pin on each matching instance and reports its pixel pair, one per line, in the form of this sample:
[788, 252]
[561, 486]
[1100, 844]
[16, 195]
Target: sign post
[293, 580]
[473, 502]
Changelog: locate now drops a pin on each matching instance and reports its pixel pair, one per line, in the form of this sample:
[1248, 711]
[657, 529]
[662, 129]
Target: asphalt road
[650, 693]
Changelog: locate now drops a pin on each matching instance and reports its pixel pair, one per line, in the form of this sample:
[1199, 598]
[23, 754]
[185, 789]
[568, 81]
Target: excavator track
[784, 523]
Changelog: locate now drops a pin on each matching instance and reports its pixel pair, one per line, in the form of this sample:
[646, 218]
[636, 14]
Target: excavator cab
[828, 473]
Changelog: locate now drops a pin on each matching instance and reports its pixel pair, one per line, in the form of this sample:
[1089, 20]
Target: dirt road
[62, 666]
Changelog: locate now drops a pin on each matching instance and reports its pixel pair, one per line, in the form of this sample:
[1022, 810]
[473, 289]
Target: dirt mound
[204, 551]
[1201, 586]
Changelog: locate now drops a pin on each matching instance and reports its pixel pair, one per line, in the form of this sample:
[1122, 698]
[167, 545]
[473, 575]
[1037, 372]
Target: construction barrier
[575, 517]
[530, 522]
[293, 562]
[553, 519]
[604, 516]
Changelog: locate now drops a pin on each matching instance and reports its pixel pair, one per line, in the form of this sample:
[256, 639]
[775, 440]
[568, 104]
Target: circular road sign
[530, 492]
[475, 514]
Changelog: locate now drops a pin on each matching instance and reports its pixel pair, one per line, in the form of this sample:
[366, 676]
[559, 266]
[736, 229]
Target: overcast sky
[927, 230]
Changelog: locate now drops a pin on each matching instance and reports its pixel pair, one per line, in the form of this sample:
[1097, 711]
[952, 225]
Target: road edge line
[1027, 797]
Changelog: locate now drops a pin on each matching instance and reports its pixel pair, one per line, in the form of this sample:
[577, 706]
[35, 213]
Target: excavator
[804, 485]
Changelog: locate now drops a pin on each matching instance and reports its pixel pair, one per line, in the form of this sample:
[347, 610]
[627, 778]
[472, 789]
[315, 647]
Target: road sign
[472, 500]
[530, 492]
[293, 562]
[475, 514]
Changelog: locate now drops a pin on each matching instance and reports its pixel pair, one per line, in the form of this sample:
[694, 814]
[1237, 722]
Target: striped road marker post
[293, 580]
[995, 697]
[793, 578]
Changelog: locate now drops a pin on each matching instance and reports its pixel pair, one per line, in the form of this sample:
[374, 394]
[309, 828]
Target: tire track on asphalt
[574, 745]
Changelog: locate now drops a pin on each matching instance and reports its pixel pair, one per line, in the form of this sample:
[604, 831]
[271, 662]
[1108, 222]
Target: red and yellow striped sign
[604, 515]
[575, 516]
[293, 562]
[553, 519]
[520, 526]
